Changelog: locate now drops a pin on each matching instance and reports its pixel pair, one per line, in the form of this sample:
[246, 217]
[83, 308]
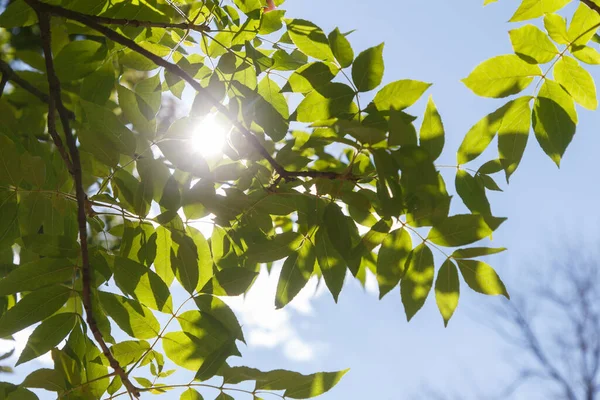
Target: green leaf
[481, 135]
[392, 259]
[367, 69]
[417, 281]
[105, 133]
[129, 351]
[577, 81]
[330, 101]
[143, 284]
[271, 22]
[513, 134]
[482, 278]
[128, 101]
[248, 6]
[296, 272]
[341, 48]
[530, 9]
[399, 94]
[501, 76]
[532, 44]
[554, 119]
[588, 55]
[447, 290]
[490, 167]
[171, 195]
[98, 86]
[191, 394]
[132, 317]
[431, 135]
[331, 263]
[162, 261]
[314, 385]
[17, 14]
[296, 385]
[36, 274]
[472, 193]
[216, 308]
[47, 335]
[185, 263]
[215, 360]
[462, 229]
[583, 25]
[276, 248]
[34, 169]
[309, 39]
[311, 76]
[230, 282]
[78, 59]
[188, 350]
[47, 379]
[474, 252]
[10, 165]
[337, 228]
[33, 308]
[270, 91]
[51, 245]
[556, 26]
[9, 210]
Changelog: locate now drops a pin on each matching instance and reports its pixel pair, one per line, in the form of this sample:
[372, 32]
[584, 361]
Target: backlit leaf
[417, 281]
[501, 76]
[447, 290]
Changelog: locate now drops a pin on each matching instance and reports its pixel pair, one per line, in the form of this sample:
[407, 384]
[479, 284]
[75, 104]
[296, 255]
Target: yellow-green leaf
[532, 44]
[431, 135]
[577, 81]
[417, 282]
[482, 278]
[530, 9]
[501, 76]
[447, 290]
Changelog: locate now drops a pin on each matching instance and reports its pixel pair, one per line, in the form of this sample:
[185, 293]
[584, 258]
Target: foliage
[101, 192]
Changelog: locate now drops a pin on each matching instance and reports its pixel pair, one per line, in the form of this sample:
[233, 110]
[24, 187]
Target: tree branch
[12, 76]
[56, 101]
[3, 83]
[592, 5]
[150, 24]
[94, 23]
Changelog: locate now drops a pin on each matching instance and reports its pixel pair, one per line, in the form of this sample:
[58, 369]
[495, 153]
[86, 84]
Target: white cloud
[264, 326]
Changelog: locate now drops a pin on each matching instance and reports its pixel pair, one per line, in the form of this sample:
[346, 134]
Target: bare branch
[75, 169]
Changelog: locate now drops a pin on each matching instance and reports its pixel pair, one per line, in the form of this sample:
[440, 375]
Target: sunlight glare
[209, 136]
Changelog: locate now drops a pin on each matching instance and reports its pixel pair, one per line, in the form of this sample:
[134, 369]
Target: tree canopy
[321, 167]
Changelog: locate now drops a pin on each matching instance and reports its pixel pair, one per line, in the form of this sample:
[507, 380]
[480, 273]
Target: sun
[209, 136]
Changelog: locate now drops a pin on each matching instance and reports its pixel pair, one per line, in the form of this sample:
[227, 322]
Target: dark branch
[592, 5]
[3, 83]
[55, 136]
[149, 24]
[93, 22]
[56, 101]
[12, 76]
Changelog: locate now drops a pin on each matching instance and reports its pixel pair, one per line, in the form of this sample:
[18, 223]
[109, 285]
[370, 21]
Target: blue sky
[437, 41]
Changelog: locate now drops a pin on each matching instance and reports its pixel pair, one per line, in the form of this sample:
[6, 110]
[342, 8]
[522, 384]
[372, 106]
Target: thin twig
[3, 83]
[92, 22]
[55, 94]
